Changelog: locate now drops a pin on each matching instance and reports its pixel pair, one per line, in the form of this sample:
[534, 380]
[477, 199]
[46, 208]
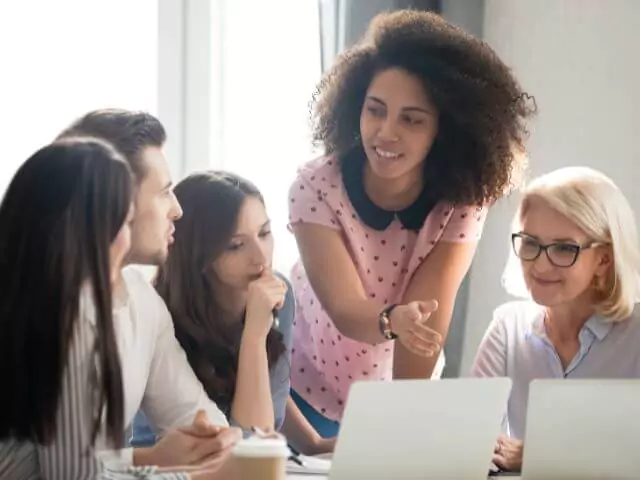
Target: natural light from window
[63, 58]
[270, 66]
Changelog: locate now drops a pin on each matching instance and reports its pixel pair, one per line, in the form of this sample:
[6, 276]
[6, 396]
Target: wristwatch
[384, 323]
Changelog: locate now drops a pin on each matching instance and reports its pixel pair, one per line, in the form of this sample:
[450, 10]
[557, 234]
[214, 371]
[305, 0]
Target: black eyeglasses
[560, 254]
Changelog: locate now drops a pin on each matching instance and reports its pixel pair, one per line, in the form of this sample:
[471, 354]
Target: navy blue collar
[411, 217]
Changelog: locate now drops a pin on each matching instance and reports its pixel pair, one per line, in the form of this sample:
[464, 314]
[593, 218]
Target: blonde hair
[594, 203]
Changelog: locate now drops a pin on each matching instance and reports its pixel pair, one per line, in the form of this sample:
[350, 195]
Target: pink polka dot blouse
[386, 247]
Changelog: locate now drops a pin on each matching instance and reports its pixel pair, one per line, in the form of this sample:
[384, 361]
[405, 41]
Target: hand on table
[508, 453]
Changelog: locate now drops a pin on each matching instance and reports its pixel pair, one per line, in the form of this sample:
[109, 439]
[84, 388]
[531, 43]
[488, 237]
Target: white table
[297, 476]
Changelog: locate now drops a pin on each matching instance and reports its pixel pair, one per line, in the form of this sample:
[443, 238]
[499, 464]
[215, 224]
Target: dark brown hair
[62, 210]
[482, 108]
[211, 202]
[129, 132]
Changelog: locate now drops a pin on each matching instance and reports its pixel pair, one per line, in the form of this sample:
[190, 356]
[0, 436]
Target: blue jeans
[142, 435]
[325, 427]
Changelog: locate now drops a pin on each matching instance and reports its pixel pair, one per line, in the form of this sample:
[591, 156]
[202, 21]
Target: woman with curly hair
[423, 127]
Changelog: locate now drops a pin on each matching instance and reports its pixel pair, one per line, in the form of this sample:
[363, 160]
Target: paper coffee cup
[261, 458]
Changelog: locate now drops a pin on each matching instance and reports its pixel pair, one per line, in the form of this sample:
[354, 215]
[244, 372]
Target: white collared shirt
[156, 374]
[516, 346]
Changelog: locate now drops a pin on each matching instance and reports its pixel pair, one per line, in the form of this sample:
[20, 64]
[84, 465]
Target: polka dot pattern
[324, 369]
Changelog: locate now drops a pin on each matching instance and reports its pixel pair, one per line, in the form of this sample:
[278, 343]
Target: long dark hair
[62, 210]
[211, 202]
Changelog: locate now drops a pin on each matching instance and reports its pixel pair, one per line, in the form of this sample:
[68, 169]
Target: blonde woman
[576, 258]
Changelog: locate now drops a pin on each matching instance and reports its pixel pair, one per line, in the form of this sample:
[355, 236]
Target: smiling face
[551, 285]
[398, 124]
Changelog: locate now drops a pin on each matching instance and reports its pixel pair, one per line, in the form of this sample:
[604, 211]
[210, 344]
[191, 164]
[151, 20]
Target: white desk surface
[297, 476]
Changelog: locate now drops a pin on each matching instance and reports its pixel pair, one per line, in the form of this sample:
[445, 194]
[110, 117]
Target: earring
[596, 283]
[600, 287]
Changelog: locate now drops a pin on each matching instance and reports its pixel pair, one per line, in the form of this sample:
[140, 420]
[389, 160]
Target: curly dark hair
[478, 153]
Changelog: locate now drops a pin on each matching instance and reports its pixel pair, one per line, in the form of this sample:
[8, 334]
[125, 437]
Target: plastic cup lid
[261, 448]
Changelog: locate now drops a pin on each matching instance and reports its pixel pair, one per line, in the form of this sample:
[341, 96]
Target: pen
[295, 457]
[296, 460]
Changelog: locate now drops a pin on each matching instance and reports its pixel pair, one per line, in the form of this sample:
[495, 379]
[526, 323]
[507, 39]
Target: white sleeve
[174, 394]
[491, 357]
[490, 360]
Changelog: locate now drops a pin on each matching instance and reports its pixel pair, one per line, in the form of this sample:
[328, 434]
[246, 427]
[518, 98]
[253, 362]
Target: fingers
[201, 431]
[499, 461]
[271, 288]
[420, 347]
[273, 283]
[498, 448]
[426, 334]
[424, 341]
[219, 469]
[201, 419]
[218, 445]
[425, 309]
[201, 426]
[214, 460]
[413, 314]
[419, 312]
[508, 453]
[230, 436]
[272, 280]
[277, 290]
[268, 433]
[428, 307]
[421, 339]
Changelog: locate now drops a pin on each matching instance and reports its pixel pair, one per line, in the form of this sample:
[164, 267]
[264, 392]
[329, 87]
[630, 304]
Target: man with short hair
[156, 374]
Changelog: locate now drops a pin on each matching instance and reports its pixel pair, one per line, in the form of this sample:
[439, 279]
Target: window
[270, 64]
[63, 58]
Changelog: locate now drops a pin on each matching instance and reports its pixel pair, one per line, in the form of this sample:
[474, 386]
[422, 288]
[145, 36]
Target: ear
[605, 260]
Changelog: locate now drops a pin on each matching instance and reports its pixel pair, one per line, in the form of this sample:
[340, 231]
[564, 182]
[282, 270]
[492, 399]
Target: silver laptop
[582, 429]
[417, 429]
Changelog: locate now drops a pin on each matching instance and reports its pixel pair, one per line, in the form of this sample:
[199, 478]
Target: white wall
[580, 60]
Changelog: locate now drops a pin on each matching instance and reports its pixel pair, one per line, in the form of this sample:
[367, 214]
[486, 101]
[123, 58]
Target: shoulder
[516, 316]
[325, 165]
[461, 223]
[635, 314]
[522, 311]
[317, 195]
[320, 174]
[142, 296]
[631, 324]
